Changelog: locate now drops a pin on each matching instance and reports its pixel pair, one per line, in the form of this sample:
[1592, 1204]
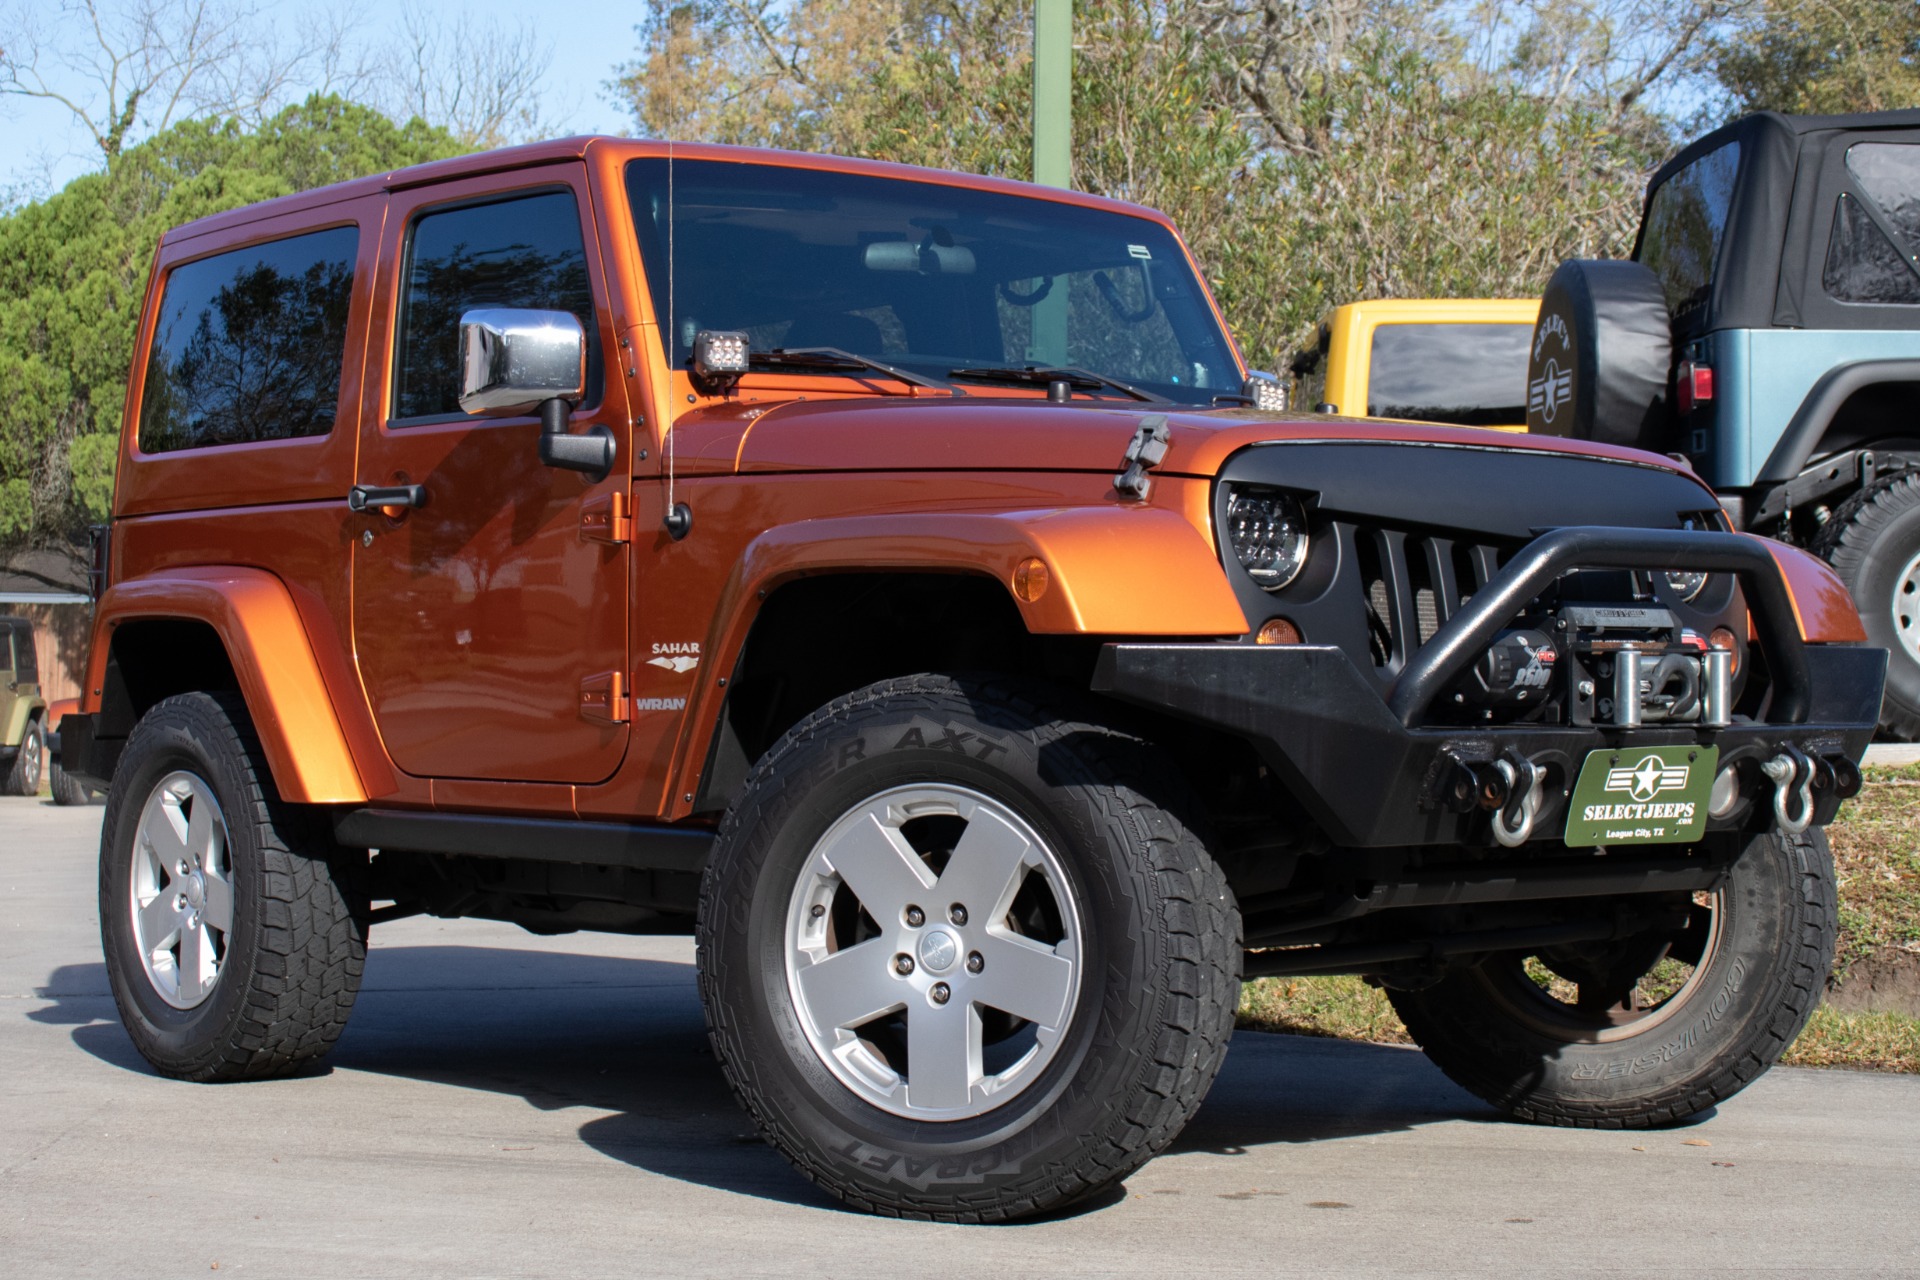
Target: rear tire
[23, 779]
[1872, 540]
[234, 929]
[1756, 983]
[1081, 876]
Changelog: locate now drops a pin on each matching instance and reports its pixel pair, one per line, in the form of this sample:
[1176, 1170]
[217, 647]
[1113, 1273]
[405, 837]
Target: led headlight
[1268, 533]
[1686, 584]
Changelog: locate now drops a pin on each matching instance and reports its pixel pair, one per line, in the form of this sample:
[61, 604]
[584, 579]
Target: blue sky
[40, 142]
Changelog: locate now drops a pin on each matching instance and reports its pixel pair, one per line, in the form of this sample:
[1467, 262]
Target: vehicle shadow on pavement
[626, 1036]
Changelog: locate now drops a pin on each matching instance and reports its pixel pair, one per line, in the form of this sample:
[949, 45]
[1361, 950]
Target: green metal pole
[1052, 156]
[1053, 92]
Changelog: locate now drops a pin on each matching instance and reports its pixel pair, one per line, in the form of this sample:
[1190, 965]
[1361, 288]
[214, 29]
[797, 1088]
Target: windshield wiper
[834, 358]
[1042, 374]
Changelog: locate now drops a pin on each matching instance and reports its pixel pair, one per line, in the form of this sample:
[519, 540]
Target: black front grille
[1409, 584]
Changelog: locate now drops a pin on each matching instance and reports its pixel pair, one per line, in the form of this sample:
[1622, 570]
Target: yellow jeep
[1455, 360]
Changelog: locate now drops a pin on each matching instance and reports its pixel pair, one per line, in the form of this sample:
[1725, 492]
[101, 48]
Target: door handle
[362, 496]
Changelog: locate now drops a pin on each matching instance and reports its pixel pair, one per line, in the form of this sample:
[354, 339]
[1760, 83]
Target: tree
[73, 273]
[476, 78]
[1822, 56]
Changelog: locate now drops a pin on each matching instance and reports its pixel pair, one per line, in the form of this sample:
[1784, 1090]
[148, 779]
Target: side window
[1863, 264]
[26, 661]
[1686, 220]
[523, 252]
[247, 345]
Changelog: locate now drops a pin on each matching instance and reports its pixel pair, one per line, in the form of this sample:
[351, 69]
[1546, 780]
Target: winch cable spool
[1791, 772]
[1513, 822]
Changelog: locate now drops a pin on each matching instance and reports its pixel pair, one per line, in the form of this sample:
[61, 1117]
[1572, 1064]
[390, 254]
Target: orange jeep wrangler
[896, 580]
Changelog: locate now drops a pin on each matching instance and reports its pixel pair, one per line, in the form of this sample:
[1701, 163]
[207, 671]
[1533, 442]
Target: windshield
[927, 277]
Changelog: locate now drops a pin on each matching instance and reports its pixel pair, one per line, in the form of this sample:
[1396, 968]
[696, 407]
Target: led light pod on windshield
[1265, 392]
[1268, 532]
[719, 353]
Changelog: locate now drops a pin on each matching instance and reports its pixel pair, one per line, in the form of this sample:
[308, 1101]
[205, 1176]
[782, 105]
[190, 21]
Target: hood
[900, 433]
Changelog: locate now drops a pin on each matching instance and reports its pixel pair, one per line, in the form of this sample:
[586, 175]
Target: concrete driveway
[509, 1105]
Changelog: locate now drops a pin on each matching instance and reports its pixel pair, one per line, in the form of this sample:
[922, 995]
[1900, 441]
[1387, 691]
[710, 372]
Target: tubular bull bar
[1373, 774]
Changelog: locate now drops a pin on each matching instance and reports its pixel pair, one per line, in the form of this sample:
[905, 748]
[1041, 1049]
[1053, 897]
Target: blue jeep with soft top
[1768, 330]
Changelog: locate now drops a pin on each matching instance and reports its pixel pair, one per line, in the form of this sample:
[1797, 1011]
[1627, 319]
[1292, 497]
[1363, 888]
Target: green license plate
[1645, 795]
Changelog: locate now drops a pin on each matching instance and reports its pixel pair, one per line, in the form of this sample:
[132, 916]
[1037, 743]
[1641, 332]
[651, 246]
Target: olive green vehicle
[23, 712]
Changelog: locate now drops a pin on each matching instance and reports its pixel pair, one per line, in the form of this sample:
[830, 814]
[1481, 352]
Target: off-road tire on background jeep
[65, 787]
[291, 958]
[1603, 324]
[1760, 974]
[23, 779]
[1872, 540]
[1157, 946]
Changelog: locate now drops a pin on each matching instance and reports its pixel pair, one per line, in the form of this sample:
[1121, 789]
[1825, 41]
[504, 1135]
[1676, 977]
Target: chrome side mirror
[515, 361]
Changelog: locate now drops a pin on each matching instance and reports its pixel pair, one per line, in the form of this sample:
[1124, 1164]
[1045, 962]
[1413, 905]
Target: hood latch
[1144, 451]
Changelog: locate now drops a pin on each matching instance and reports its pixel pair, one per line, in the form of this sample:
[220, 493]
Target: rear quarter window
[1686, 221]
[1870, 259]
[247, 345]
[1470, 375]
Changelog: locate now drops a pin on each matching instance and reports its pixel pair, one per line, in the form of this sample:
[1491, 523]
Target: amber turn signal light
[1030, 579]
[1722, 638]
[1277, 631]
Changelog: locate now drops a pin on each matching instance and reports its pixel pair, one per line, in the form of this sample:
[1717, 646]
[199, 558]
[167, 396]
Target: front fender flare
[1111, 570]
[256, 619]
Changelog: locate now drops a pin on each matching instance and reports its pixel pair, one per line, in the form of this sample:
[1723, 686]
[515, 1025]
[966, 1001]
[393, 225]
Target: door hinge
[607, 520]
[603, 698]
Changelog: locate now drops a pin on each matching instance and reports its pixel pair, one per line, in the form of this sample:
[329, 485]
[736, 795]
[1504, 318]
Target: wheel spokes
[851, 987]
[1026, 979]
[218, 911]
[943, 1056]
[159, 921]
[986, 868]
[881, 868]
[193, 958]
[165, 832]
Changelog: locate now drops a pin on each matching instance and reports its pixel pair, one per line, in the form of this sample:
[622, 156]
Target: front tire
[1873, 543]
[1669, 1027]
[234, 929]
[963, 957]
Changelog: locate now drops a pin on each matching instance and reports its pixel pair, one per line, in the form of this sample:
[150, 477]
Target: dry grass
[1876, 851]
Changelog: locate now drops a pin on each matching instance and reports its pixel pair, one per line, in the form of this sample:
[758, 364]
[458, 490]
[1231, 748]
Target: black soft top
[1792, 168]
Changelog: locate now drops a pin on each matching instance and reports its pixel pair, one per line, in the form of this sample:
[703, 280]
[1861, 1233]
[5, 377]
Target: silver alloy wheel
[32, 747]
[1906, 608]
[181, 889]
[934, 995]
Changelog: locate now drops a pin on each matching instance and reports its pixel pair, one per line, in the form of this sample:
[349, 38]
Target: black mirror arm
[591, 452]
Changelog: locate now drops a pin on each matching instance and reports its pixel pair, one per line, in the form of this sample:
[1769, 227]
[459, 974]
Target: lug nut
[817, 911]
[916, 917]
[957, 914]
[976, 962]
[903, 964]
[940, 993]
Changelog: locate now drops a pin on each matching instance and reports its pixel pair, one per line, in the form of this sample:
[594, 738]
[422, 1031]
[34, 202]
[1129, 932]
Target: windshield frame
[644, 240]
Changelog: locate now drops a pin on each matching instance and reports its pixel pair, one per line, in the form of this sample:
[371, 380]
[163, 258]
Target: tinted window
[923, 275]
[513, 253]
[26, 661]
[247, 345]
[1474, 375]
[1685, 223]
[1863, 265]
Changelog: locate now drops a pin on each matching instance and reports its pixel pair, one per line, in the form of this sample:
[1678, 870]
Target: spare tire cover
[1601, 363]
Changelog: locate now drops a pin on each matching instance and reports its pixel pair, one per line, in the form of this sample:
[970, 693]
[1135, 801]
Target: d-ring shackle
[1513, 823]
[1792, 772]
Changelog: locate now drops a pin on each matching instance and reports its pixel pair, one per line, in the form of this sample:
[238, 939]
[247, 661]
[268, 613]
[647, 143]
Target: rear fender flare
[256, 620]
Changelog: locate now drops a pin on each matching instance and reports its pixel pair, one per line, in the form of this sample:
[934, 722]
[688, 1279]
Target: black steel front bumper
[1372, 774]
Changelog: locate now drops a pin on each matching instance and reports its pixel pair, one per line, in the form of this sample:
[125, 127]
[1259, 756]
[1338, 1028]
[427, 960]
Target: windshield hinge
[603, 698]
[606, 520]
[1144, 451]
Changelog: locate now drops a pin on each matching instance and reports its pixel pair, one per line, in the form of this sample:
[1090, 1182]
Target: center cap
[196, 891]
[938, 951]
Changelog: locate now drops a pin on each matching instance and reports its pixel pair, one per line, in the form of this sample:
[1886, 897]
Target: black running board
[604, 844]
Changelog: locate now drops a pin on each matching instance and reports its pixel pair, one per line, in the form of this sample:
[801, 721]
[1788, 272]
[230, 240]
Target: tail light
[1693, 385]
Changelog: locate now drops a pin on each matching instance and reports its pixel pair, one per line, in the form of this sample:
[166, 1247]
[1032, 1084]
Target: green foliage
[1822, 56]
[73, 273]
